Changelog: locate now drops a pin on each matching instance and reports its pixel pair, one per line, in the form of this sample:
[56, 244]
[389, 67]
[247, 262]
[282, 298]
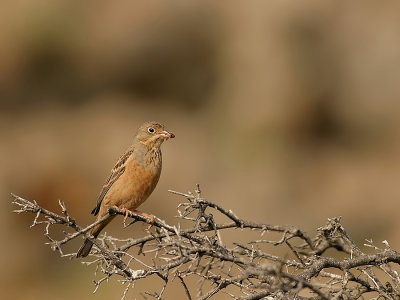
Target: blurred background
[285, 112]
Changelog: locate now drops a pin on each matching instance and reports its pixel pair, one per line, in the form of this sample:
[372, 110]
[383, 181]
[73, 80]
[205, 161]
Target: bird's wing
[116, 172]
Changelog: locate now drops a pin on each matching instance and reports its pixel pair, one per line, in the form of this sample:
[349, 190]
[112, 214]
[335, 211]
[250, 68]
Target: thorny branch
[204, 266]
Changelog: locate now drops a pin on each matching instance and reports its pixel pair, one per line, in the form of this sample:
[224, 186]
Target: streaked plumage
[133, 178]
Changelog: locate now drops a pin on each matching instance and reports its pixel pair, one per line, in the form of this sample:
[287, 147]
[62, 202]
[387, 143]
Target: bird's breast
[137, 182]
[141, 181]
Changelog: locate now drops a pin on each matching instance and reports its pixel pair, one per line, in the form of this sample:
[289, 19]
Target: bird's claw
[147, 216]
[127, 213]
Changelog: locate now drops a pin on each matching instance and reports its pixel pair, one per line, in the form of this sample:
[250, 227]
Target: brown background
[286, 112]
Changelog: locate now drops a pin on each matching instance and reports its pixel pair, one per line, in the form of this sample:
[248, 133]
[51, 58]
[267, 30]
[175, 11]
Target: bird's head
[153, 134]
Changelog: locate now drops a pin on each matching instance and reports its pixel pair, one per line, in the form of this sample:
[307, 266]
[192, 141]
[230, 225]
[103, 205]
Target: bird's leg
[125, 211]
[147, 216]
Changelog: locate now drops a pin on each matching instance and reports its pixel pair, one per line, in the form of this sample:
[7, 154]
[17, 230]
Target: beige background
[286, 112]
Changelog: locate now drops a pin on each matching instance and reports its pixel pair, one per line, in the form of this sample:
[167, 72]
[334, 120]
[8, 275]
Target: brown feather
[116, 172]
[133, 178]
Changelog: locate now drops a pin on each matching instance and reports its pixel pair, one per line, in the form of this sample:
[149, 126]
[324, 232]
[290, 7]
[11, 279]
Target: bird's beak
[166, 135]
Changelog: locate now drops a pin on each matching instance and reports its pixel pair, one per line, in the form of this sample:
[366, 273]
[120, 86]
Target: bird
[133, 178]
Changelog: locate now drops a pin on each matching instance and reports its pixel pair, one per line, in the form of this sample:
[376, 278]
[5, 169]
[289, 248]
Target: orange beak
[165, 134]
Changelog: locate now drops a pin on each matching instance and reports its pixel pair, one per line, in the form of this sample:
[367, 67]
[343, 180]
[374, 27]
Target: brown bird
[133, 178]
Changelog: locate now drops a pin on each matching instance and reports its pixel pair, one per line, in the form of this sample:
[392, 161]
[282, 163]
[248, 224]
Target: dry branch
[242, 270]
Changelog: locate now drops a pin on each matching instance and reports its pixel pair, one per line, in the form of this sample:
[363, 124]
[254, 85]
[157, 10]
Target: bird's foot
[125, 211]
[147, 216]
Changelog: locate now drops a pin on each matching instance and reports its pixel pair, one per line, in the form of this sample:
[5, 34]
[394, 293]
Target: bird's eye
[150, 130]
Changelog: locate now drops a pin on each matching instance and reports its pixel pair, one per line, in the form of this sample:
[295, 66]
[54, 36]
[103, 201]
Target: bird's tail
[84, 250]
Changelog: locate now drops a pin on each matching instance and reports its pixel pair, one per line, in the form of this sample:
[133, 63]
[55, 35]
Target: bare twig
[245, 270]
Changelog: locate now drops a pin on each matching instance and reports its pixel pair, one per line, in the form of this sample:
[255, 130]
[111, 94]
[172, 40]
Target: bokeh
[286, 112]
